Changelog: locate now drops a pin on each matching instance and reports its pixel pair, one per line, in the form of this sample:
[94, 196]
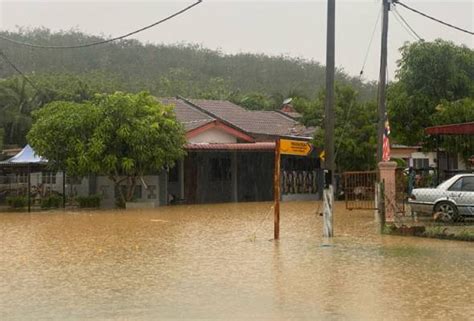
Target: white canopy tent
[27, 158]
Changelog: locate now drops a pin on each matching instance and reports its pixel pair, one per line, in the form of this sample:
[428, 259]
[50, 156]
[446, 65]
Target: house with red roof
[230, 155]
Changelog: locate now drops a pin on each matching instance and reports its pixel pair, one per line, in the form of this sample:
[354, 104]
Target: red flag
[386, 141]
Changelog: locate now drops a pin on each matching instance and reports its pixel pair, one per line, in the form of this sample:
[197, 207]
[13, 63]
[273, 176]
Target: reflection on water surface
[216, 262]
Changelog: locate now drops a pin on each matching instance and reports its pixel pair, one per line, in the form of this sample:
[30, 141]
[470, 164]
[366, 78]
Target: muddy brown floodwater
[216, 262]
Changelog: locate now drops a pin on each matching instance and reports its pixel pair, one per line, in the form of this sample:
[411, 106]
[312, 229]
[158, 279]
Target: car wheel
[448, 209]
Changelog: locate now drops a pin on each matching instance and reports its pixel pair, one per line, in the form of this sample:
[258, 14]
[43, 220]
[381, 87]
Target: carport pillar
[234, 173]
[387, 177]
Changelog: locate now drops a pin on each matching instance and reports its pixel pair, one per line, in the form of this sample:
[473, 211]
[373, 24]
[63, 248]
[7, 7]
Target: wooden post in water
[276, 192]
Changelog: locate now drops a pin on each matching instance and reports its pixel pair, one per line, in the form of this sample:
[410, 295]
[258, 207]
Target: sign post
[286, 147]
[276, 192]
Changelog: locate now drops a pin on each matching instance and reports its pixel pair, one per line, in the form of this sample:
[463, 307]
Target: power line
[107, 40]
[349, 109]
[405, 25]
[370, 44]
[27, 79]
[433, 18]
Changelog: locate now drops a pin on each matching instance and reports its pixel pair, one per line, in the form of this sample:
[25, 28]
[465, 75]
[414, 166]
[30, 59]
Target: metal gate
[401, 183]
[359, 190]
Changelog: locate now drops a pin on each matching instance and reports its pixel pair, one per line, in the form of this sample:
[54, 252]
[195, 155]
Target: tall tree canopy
[429, 73]
[123, 136]
[169, 70]
[18, 99]
[355, 127]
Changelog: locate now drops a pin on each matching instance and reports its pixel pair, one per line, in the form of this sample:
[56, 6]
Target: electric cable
[101, 42]
[432, 18]
[370, 44]
[11, 64]
[349, 109]
[405, 24]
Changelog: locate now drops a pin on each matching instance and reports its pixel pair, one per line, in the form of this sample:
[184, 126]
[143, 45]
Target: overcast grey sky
[294, 28]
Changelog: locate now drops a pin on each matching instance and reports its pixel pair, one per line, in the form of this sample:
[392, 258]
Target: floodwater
[218, 262]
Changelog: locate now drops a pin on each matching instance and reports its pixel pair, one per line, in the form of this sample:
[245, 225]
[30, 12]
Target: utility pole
[329, 122]
[382, 108]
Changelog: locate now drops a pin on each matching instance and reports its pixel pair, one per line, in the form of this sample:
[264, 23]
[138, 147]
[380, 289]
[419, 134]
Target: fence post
[387, 176]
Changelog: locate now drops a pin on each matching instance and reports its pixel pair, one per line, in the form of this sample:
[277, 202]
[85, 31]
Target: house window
[48, 177]
[220, 169]
[421, 163]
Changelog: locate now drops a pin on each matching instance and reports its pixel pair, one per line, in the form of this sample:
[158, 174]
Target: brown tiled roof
[190, 117]
[194, 113]
[256, 122]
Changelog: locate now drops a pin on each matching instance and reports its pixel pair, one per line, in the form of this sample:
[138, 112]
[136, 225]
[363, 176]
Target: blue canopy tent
[27, 158]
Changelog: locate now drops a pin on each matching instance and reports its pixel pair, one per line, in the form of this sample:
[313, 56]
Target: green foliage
[89, 201]
[122, 136]
[256, 101]
[461, 111]
[52, 201]
[388, 229]
[2, 134]
[17, 201]
[18, 99]
[429, 74]
[355, 128]
[181, 69]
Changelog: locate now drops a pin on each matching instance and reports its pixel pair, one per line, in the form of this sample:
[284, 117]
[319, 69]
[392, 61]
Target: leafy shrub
[53, 201]
[88, 201]
[17, 201]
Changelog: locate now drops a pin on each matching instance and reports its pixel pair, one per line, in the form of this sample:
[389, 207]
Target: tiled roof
[256, 122]
[191, 118]
[194, 113]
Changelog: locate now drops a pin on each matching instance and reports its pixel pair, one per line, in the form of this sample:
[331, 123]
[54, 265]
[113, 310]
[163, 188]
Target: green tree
[355, 128]
[123, 136]
[18, 99]
[461, 111]
[428, 73]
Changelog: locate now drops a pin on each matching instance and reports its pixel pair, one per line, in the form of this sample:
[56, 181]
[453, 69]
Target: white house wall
[213, 136]
[430, 155]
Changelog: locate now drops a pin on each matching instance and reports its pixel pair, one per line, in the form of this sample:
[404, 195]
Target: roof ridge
[226, 122]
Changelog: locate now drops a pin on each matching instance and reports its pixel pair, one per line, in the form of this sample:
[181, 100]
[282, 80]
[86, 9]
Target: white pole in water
[327, 211]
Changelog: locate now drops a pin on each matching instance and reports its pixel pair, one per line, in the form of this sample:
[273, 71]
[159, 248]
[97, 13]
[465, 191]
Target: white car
[453, 198]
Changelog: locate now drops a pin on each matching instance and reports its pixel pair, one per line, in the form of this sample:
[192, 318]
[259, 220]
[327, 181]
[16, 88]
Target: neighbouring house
[438, 162]
[230, 158]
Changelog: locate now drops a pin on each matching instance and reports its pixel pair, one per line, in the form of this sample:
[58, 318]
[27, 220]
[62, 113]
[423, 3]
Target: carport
[460, 129]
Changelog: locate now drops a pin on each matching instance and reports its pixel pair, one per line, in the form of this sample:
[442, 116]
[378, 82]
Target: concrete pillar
[181, 178]
[235, 191]
[387, 176]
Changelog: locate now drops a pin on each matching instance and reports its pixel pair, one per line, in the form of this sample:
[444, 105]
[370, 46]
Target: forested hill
[168, 70]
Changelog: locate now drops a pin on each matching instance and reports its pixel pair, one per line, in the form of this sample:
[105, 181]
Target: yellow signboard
[322, 155]
[295, 147]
